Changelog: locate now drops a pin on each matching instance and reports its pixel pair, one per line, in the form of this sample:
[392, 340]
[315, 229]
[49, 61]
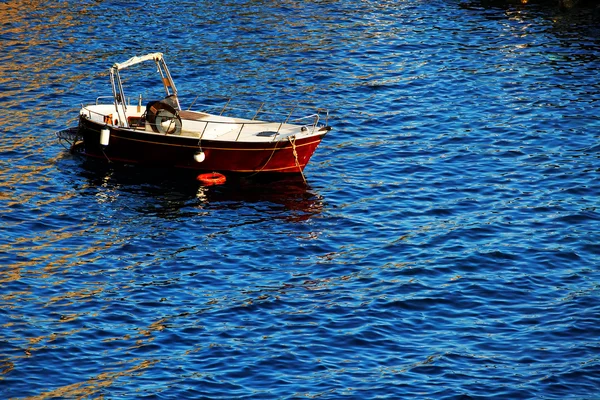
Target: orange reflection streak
[19, 18]
[45, 339]
[50, 263]
[20, 175]
[13, 273]
[52, 337]
[34, 36]
[5, 368]
[76, 295]
[91, 386]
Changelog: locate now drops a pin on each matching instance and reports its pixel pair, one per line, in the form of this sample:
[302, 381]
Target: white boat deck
[201, 125]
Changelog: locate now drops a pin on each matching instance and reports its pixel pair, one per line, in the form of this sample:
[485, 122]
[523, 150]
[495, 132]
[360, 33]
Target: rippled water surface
[447, 243]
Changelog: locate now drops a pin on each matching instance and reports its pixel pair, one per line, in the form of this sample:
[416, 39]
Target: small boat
[162, 134]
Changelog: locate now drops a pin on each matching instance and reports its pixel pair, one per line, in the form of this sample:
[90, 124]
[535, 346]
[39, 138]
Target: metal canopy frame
[117, 84]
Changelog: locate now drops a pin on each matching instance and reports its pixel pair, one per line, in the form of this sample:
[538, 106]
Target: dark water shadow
[165, 192]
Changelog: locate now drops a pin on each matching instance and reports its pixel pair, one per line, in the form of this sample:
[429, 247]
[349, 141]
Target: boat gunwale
[172, 140]
[212, 119]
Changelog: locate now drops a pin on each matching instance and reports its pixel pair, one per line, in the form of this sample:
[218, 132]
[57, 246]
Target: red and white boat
[162, 134]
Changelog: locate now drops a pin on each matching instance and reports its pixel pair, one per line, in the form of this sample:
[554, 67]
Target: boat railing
[293, 115]
[102, 97]
[314, 123]
[104, 117]
[287, 113]
[112, 98]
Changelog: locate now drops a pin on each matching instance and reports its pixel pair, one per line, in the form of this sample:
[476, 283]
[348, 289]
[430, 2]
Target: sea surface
[446, 245]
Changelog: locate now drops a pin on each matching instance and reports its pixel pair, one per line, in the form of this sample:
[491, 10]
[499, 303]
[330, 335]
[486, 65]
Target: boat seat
[137, 122]
[192, 115]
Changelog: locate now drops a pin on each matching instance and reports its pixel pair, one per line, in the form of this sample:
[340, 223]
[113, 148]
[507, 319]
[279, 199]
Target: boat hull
[139, 147]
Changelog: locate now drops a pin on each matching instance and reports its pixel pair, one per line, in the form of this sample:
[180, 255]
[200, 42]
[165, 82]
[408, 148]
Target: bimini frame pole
[117, 85]
[118, 95]
[167, 80]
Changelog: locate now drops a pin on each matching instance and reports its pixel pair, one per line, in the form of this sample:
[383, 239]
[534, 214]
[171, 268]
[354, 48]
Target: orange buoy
[212, 178]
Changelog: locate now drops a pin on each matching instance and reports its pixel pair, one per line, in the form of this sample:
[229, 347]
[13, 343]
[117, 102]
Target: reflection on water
[445, 245]
[165, 193]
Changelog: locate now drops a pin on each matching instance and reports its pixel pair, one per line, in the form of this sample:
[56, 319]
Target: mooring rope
[296, 156]
[108, 159]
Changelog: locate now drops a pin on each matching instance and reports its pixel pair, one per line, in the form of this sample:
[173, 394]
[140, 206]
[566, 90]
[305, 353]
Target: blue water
[447, 244]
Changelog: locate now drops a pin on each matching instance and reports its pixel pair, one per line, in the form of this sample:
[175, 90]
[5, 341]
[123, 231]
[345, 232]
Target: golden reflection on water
[73, 297]
[32, 22]
[92, 386]
[48, 264]
[33, 76]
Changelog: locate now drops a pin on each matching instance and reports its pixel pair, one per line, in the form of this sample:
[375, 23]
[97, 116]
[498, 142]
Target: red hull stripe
[216, 148]
[293, 168]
